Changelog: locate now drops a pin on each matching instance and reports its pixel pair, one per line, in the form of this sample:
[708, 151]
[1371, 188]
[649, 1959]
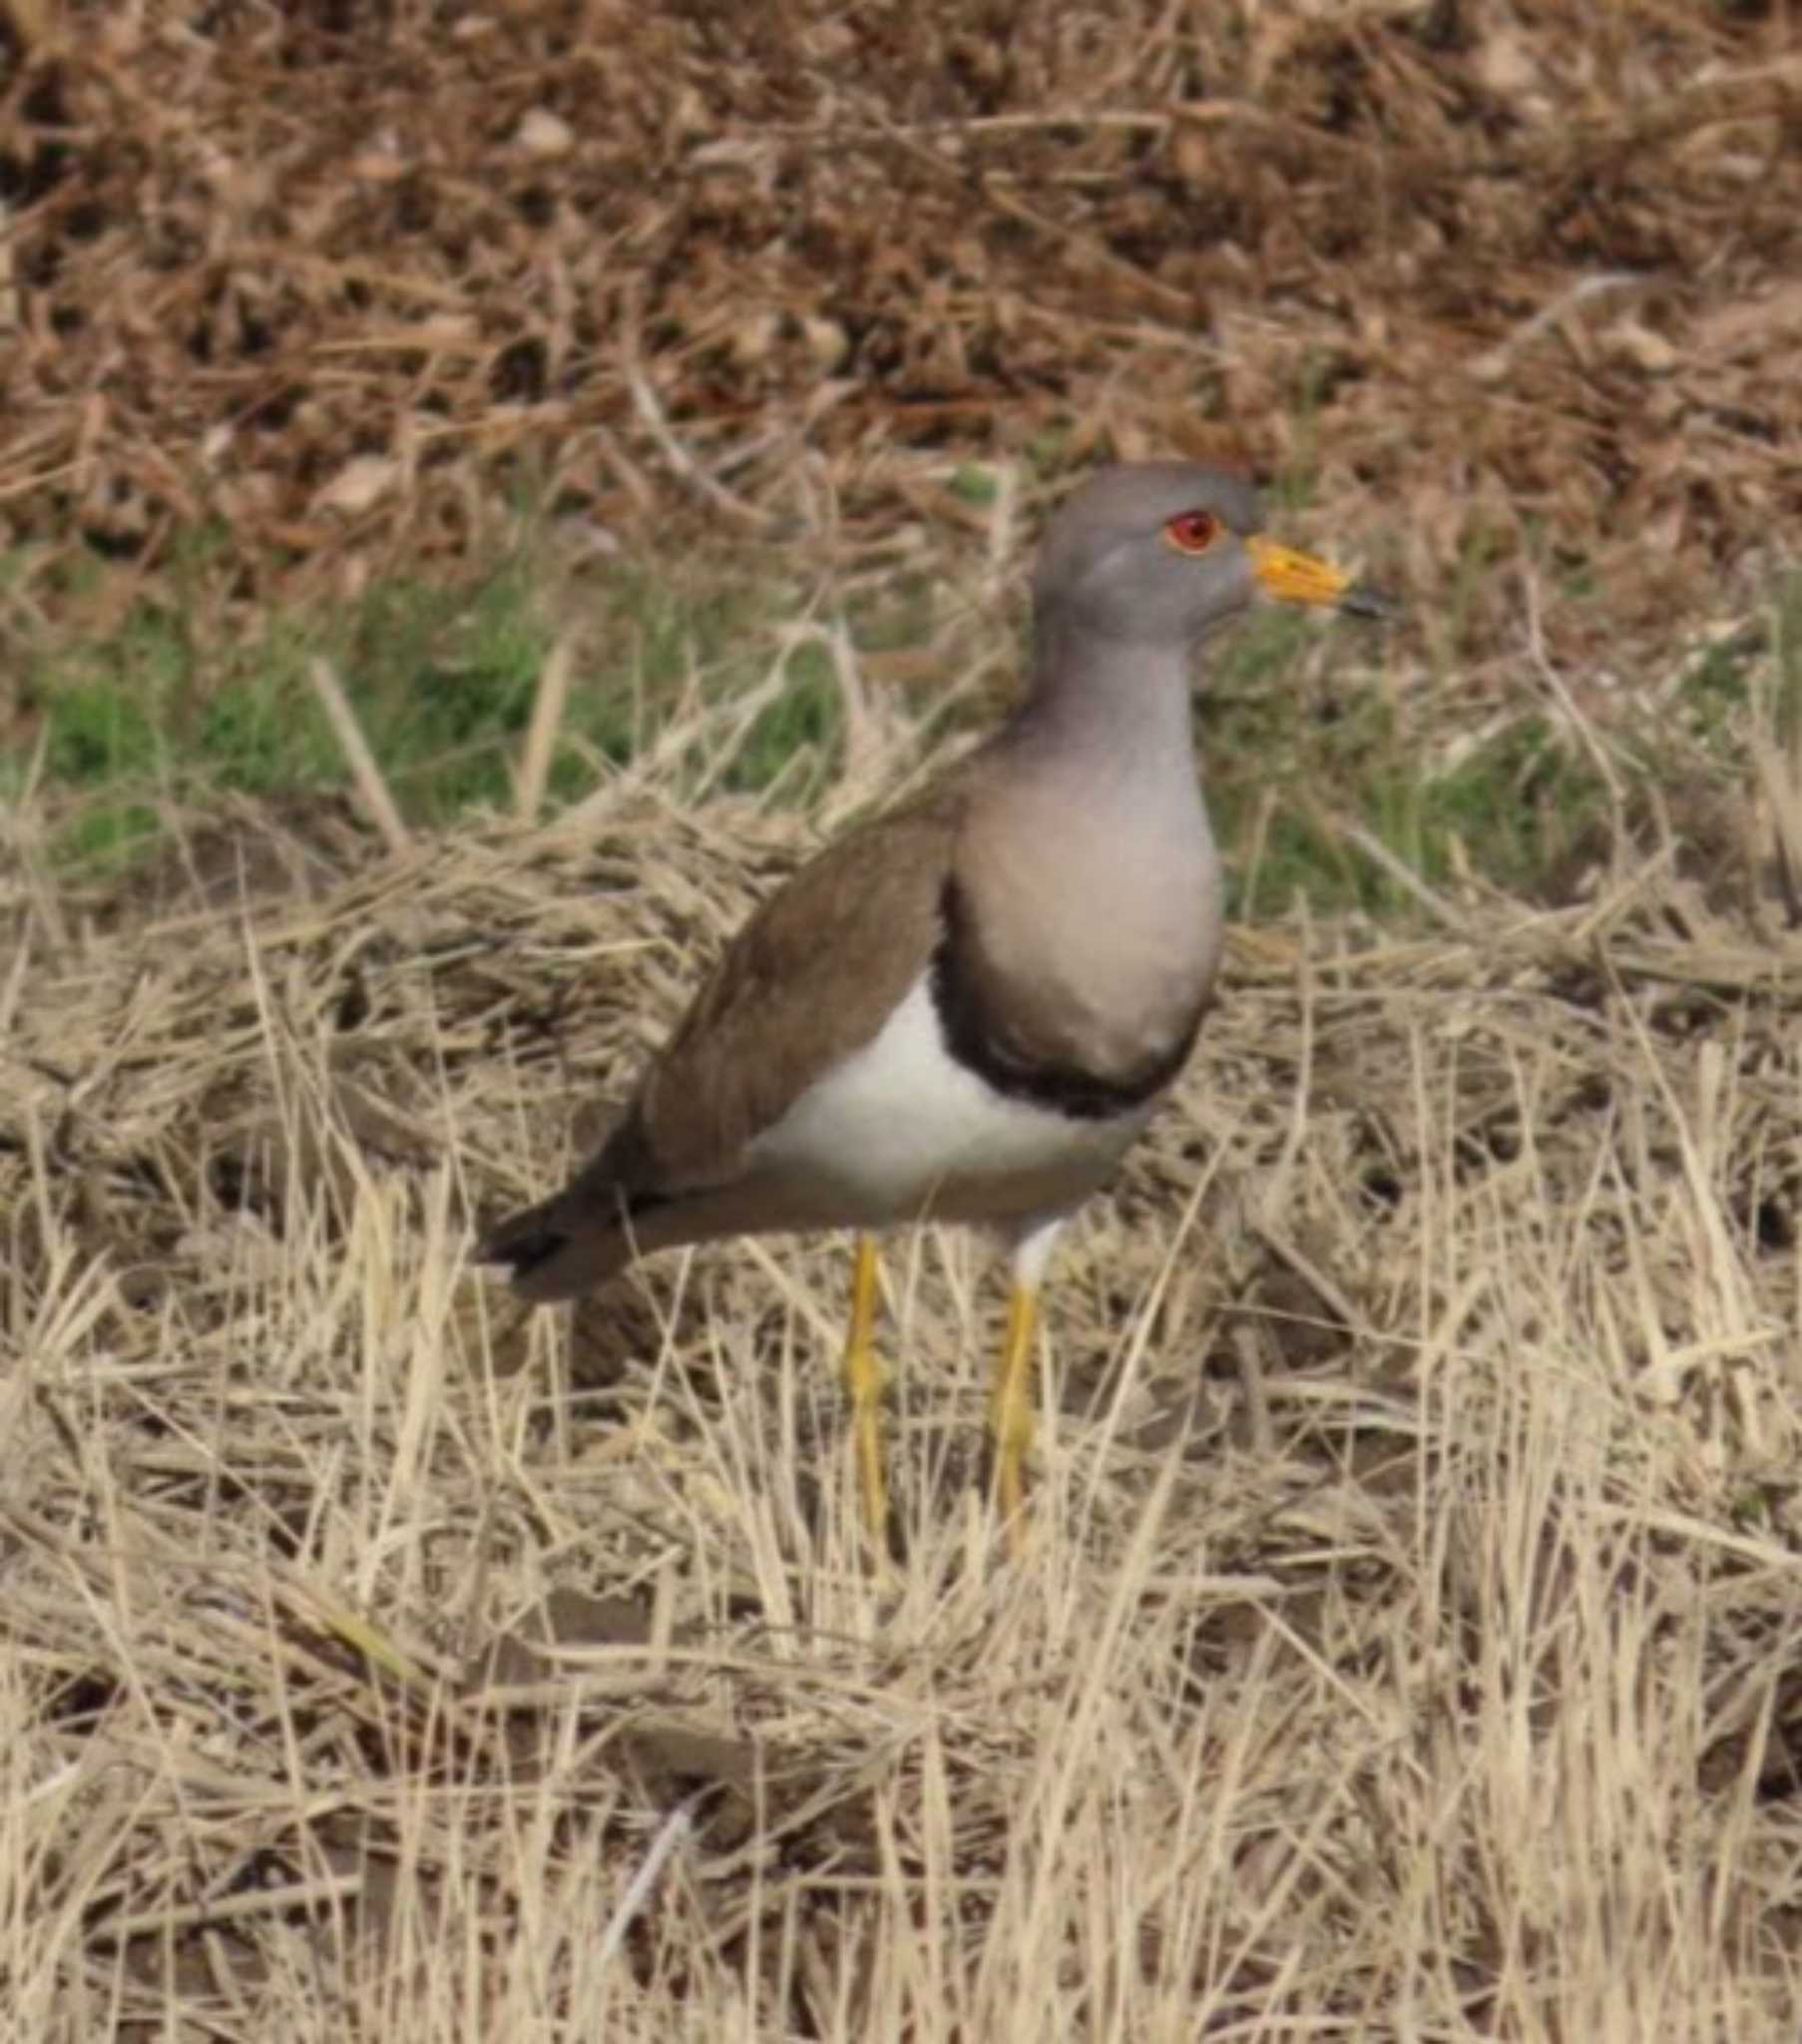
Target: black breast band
[1065, 1088]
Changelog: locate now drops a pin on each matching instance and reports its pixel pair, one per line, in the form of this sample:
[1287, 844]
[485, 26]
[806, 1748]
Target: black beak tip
[1362, 600]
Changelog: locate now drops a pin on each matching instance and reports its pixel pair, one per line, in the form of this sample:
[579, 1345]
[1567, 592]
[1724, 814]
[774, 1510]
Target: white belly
[901, 1128]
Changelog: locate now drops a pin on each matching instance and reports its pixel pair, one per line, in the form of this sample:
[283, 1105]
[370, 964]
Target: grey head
[1163, 553]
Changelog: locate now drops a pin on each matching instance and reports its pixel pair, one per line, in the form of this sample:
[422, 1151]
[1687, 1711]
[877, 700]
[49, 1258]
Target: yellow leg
[865, 1380]
[1011, 1411]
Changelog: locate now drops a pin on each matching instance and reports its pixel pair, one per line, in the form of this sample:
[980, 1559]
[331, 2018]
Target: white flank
[901, 1127]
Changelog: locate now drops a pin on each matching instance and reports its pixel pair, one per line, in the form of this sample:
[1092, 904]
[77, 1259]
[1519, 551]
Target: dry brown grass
[1408, 1645]
[344, 286]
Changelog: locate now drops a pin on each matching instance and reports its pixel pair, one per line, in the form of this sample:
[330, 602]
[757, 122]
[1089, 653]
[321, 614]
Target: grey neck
[1136, 717]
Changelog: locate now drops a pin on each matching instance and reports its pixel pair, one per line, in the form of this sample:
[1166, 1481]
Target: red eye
[1193, 532]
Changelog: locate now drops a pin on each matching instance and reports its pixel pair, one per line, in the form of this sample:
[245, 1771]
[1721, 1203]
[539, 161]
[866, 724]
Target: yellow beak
[1301, 577]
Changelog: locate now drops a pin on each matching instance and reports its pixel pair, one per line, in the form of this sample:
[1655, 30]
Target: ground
[1405, 1641]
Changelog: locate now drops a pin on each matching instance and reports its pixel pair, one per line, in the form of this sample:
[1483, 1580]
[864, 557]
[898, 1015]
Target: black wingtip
[522, 1243]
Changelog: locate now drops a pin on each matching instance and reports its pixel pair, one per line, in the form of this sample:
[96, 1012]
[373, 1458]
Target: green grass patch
[1305, 753]
[442, 681]
[1291, 764]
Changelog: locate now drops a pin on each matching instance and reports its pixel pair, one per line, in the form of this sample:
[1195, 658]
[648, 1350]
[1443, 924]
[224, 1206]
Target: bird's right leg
[865, 1382]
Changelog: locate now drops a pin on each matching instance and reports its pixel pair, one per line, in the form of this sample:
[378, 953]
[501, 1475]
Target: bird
[967, 1008]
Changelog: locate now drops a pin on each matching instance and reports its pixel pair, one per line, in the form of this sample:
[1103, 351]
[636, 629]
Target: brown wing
[809, 979]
